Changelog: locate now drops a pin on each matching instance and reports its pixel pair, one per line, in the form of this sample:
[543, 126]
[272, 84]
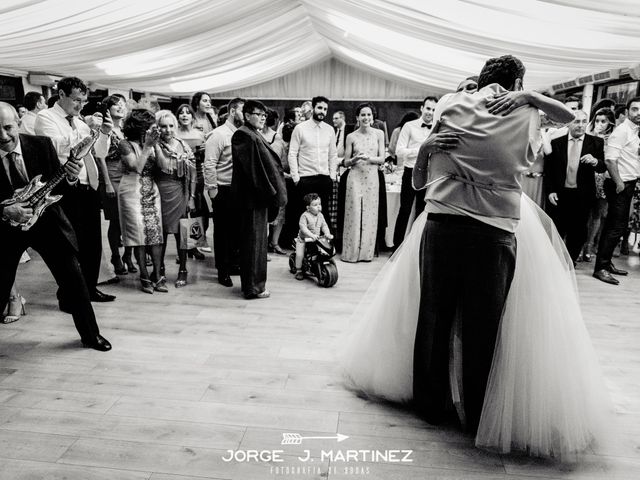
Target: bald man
[23, 157]
[569, 172]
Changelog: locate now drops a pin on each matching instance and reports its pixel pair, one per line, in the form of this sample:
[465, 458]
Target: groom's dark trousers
[466, 269]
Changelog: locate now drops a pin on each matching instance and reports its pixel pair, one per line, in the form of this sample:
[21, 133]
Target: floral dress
[139, 202]
[361, 204]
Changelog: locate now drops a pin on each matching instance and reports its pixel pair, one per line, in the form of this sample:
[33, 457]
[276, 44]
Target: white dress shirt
[622, 147]
[218, 162]
[53, 123]
[574, 148]
[28, 123]
[412, 135]
[312, 150]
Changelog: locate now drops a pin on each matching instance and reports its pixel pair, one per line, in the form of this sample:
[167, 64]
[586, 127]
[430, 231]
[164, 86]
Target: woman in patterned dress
[138, 196]
[364, 153]
[111, 172]
[177, 186]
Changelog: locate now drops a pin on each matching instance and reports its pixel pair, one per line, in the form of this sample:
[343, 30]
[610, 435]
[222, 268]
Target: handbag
[192, 233]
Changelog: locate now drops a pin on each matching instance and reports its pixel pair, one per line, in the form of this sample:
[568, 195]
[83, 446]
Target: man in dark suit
[259, 190]
[24, 157]
[569, 174]
[342, 130]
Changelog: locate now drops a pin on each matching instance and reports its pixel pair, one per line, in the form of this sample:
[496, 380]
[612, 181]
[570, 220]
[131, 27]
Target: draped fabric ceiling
[177, 47]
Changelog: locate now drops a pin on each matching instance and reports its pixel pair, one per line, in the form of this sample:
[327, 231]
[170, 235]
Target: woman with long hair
[202, 120]
[111, 172]
[364, 153]
[601, 125]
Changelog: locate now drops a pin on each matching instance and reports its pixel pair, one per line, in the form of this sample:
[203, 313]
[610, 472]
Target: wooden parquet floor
[200, 371]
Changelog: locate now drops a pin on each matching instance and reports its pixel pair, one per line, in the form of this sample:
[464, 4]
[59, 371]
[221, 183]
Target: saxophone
[37, 194]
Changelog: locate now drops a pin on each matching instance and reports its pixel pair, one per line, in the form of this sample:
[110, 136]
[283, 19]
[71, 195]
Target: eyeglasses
[259, 114]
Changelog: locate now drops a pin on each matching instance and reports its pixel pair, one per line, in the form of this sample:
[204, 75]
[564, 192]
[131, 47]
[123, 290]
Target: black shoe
[605, 276]
[616, 271]
[225, 280]
[99, 343]
[98, 296]
[195, 253]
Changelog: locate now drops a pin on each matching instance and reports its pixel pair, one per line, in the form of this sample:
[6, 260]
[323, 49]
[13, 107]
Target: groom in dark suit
[259, 190]
[24, 157]
[569, 173]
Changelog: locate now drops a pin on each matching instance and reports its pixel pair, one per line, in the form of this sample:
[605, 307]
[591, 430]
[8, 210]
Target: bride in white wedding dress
[545, 394]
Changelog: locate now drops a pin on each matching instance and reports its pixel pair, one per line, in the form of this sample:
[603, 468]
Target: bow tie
[425, 125]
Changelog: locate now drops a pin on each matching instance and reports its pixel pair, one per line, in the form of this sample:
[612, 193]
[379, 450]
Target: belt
[83, 187]
[453, 219]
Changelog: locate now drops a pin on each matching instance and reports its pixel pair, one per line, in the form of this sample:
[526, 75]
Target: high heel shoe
[118, 266]
[15, 309]
[161, 285]
[182, 279]
[195, 253]
[146, 285]
[129, 263]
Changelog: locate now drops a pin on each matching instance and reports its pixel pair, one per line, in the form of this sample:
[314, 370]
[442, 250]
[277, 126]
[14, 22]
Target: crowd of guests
[266, 182]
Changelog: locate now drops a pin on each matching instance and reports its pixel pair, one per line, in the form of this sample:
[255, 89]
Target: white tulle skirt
[545, 394]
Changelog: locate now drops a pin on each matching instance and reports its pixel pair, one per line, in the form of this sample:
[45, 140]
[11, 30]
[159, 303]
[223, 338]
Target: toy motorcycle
[318, 262]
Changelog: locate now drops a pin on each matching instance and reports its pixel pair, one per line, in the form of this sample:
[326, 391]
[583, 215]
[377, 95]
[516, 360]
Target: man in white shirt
[623, 165]
[218, 171]
[411, 136]
[313, 157]
[63, 126]
[34, 103]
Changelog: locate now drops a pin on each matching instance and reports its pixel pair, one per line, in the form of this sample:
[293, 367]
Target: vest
[482, 174]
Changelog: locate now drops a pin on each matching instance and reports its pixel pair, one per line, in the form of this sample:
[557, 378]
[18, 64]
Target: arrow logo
[296, 438]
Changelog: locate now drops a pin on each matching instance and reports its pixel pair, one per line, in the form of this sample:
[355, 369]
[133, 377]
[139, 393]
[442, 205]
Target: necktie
[425, 125]
[89, 162]
[70, 120]
[573, 161]
[17, 180]
[338, 136]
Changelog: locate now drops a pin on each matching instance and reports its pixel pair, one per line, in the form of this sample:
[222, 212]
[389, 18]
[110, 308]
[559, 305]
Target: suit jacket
[258, 178]
[347, 130]
[555, 166]
[40, 158]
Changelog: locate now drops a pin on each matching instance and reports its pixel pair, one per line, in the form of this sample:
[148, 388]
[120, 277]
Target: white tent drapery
[180, 46]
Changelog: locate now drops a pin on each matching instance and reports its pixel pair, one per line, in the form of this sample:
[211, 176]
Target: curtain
[176, 47]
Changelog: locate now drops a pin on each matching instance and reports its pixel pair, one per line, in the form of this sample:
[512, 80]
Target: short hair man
[474, 206]
[623, 165]
[342, 129]
[52, 236]
[259, 191]
[63, 126]
[411, 136]
[620, 114]
[34, 103]
[218, 173]
[570, 180]
[313, 156]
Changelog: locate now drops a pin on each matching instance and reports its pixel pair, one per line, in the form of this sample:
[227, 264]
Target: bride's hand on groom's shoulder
[438, 142]
[506, 102]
